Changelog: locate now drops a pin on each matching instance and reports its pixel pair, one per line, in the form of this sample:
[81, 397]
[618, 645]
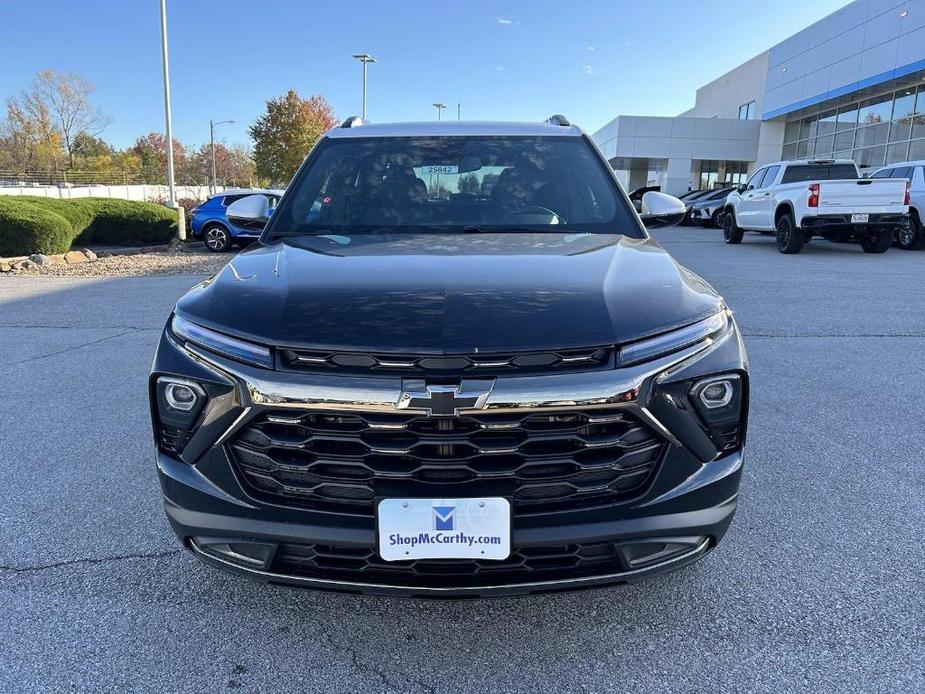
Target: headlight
[226, 345]
[179, 404]
[666, 343]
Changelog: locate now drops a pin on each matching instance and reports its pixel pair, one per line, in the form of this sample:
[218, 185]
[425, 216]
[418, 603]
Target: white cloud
[592, 48]
[505, 20]
[589, 70]
[500, 68]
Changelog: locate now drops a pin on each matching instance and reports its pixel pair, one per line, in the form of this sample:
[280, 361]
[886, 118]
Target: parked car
[451, 396]
[824, 197]
[209, 222]
[689, 199]
[708, 210]
[910, 237]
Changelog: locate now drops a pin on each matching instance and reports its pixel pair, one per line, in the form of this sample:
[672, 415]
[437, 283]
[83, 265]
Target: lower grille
[541, 461]
[524, 565]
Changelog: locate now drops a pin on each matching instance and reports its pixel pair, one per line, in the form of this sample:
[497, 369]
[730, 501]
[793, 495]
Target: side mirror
[742, 188]
[660, 210]
[252, 212]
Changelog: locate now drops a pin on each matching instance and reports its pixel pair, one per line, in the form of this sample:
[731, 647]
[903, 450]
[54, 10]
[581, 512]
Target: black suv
[454, 365]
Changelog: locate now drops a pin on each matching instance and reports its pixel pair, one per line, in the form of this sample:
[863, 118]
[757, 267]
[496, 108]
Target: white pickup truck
[827, 198]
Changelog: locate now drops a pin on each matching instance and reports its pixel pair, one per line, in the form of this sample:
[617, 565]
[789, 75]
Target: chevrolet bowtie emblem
[444, 401]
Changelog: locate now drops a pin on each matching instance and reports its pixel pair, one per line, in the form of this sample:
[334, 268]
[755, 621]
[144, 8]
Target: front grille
[524, 565]
[488, 364]
[542, 461]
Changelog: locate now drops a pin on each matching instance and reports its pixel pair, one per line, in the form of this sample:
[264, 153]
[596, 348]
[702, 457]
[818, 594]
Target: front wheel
[877, 243]
[789, 237]
[716, 221]
[732, 234]
[216, 238]
[910, 236]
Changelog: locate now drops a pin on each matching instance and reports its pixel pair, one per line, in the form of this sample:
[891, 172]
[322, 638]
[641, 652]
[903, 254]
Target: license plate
[859, 218]
[444, 528]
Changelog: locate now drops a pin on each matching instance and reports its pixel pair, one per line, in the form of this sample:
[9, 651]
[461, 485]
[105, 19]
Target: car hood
[445, 294]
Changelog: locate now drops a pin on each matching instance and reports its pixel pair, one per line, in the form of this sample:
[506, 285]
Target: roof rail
[559, 119]
[352, 122]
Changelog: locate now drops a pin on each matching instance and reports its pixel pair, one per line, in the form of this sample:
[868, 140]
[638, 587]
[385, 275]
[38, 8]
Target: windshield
[453, 184]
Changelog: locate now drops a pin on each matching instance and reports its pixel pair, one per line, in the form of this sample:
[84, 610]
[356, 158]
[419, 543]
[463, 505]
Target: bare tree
[66, 97]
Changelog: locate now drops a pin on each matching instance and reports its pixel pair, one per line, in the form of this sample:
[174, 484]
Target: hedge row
[47, 225]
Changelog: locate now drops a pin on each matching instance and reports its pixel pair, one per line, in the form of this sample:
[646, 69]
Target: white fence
[152, 193]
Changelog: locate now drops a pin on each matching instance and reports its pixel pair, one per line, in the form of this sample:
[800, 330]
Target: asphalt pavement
[819, 586]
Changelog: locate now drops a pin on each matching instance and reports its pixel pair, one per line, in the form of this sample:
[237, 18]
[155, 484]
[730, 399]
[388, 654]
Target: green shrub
[31, 224]
[125, 222]
[73, 211]
[26, 228]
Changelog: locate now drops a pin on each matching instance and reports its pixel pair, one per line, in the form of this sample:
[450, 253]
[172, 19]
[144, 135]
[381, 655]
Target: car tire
[789, 238]
[716, 221]
[880, 243]
[911, 238]
[732, 234]
[216, 238]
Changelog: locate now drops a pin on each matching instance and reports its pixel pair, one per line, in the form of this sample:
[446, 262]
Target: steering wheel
[536, 210]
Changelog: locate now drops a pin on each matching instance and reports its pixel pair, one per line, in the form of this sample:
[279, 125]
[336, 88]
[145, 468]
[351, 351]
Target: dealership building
[851, 86]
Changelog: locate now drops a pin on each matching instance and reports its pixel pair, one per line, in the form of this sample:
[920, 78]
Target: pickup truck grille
[343, 462]
[488, 364]
[524, 565]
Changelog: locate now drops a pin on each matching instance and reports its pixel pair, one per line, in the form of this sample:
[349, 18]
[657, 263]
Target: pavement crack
[89, 561]
[69, 349]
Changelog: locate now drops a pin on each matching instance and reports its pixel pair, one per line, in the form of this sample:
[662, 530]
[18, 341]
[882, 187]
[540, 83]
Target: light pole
[458, 111]
[172, 198]
[212, 125]
[366, 59]
[439, 108]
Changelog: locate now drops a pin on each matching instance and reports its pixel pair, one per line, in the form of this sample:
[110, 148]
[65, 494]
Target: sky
[590, 59]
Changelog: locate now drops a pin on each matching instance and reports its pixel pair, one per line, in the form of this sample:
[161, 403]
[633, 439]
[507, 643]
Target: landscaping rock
[26, 264]
[88, 253]
[5, 266]
[40, 259]
[74, 257]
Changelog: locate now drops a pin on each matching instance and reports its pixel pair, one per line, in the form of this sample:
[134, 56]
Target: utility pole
[458, 111]
[439, 108]
[212, 125]
[172, 197]
[366, 59]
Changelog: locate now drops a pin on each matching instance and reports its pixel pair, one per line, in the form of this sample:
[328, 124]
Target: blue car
[209, 223]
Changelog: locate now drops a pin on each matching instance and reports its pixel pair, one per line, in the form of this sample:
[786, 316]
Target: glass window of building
[869, 157]
[896, 152]
[736, 173]
[847, 118]
[916, 150]
[872, 135]
[808, 128]
[878, 110]
[826, 123]
[792, 131]
[747, 111]
[904, 106]
[844, 141]
[920, 101]
[824, 145]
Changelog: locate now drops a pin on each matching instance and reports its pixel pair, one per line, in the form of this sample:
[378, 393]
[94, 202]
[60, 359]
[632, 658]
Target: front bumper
[688, 506]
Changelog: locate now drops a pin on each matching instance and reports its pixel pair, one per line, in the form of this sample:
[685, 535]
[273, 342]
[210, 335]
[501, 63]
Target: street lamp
[366, 59]
[172, 198]
[439, 108]
[212, 125]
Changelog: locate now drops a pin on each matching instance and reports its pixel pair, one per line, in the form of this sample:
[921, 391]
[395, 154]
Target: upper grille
[542, 461]
[470, 364]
